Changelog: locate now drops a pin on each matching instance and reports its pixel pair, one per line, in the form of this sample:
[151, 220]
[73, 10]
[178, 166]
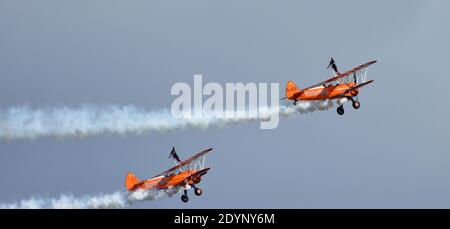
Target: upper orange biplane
[345, 88]
[185, 174]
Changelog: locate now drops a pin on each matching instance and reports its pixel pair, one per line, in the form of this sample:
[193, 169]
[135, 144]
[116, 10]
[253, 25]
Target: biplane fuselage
[164, 182]
[321, 92]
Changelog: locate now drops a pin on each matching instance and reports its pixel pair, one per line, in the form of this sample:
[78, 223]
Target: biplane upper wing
[186, 162]
[347, 73]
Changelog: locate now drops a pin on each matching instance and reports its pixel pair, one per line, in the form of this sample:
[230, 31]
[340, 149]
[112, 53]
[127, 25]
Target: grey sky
[392, 153]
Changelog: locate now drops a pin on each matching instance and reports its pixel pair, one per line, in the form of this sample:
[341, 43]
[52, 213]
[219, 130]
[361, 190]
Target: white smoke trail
[26, 123]
[120, 199]
[305, 107]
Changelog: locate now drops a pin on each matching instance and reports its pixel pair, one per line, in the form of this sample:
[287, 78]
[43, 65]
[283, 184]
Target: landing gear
[185, 197]
[340, 110]
[356, 104]
[295, 102]
[198, 191]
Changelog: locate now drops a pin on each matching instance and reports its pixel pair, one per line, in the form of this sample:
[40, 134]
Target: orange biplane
[346, 88]
[184, 174]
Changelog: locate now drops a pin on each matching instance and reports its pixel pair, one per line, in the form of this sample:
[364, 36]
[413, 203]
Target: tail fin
[291, 89]
[130, 181]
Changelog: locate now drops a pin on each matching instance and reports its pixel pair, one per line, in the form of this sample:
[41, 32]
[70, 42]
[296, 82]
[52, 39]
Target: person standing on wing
[333, 65]
[174, 154]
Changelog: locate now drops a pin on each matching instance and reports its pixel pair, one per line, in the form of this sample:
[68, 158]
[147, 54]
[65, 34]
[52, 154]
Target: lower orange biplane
[342, 87]
[185, 174]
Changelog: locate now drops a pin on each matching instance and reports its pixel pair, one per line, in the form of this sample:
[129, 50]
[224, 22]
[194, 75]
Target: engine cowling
[196, 180]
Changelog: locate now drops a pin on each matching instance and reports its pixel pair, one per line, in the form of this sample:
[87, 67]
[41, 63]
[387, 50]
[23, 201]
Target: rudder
[291, 89]
[130, 181]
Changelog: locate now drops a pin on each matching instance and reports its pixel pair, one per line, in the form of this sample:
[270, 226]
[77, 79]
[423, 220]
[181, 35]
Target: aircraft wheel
[340, 110]
[295, 102]
[198, 191]
[356, 104]
[184, 198]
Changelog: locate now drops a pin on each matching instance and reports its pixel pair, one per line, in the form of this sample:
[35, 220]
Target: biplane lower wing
[199, 173]
[193, 177]
[354, 88]
[359, 86]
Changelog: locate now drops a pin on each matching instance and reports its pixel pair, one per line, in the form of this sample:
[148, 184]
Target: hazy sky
[391, 153]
